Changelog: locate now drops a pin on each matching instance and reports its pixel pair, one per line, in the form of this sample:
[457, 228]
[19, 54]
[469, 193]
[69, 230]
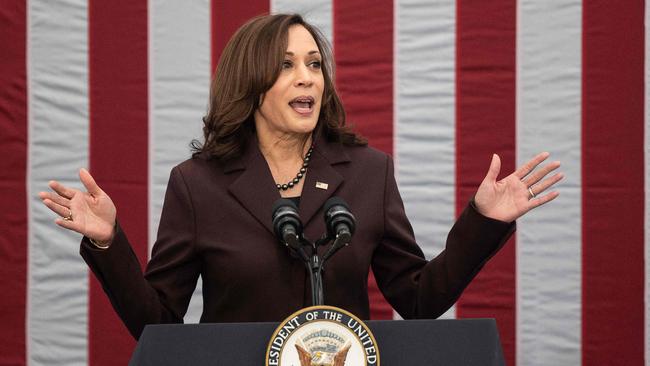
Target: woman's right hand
[91, 213]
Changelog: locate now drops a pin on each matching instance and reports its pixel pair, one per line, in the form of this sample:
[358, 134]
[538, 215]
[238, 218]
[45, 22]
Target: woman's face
[292, 105]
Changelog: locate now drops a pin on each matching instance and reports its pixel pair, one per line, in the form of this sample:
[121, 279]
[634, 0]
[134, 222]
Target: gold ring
[69, 217]
[532, 194]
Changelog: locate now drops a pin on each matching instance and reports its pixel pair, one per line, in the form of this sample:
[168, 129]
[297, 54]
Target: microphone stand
[315, 265]
[292, 237]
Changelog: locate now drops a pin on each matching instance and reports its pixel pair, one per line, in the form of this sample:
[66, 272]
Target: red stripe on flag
[118, 148]
[365, 83]
[13, 170]
[485, 124]
[613, 183]
[227, 17]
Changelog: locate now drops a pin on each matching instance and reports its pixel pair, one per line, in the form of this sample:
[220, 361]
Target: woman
[276, 128]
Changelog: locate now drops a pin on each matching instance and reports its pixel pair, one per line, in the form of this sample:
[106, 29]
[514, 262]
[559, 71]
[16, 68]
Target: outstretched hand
[513, 196]
[91, 213]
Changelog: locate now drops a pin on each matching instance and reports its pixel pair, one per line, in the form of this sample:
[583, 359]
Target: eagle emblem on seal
[322, 348]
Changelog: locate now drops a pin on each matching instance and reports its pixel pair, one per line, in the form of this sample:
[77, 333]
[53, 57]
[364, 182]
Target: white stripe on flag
[179, 67]
[424, 143]
[58, 146]
[549, 239]
[317, 12]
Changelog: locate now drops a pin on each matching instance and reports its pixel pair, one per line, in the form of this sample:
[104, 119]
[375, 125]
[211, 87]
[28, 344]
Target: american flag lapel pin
[321, 185]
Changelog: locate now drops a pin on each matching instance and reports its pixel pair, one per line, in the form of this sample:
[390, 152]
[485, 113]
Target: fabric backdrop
[120, 87]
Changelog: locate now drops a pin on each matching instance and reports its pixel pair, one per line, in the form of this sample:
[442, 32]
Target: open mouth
[302, 104]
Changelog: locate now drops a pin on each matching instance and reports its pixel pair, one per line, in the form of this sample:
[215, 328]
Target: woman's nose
[303, 76]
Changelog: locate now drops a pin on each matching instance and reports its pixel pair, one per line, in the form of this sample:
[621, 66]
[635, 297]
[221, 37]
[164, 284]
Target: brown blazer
[216, 222]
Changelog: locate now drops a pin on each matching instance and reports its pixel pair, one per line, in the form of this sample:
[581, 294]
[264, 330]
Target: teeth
[302, 105]
[302, 100]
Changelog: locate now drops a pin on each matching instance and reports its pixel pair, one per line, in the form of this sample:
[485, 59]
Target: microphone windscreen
[282, 202]
[334, 201]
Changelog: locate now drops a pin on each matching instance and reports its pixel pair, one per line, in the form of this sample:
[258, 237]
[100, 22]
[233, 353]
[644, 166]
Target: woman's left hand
[510, 198]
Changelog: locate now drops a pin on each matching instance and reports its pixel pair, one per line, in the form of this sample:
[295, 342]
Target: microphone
[339, 220]
[340, 224]
[286, 223]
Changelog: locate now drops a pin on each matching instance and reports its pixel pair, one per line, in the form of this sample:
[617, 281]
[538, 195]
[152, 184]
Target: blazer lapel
[322, 180]
[255, 188]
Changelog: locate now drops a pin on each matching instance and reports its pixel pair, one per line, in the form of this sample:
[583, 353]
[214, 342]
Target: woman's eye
[286, 64]
[316, 64]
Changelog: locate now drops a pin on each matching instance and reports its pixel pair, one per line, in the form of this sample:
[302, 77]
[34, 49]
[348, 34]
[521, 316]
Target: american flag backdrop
[120, 87]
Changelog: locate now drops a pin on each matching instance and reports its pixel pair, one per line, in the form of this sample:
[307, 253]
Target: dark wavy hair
[250, 64]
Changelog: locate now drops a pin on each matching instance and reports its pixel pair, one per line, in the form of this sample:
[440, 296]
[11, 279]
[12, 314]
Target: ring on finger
[69, 217]
[532, 194]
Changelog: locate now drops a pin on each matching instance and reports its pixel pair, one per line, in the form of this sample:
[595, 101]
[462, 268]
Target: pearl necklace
[292, 183]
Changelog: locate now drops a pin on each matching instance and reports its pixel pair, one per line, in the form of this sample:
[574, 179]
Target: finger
[56, 198]
[495, 168]
[68, 224]
[61, 189]
[536, 176]
[540, 200]
[58, 209]
[89, 182]
[546, 183]
[530, 165]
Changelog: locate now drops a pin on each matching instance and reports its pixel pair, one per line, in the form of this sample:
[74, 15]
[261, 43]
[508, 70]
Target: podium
[401, 342]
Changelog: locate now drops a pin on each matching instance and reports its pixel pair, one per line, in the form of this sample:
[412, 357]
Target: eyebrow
[312, 52]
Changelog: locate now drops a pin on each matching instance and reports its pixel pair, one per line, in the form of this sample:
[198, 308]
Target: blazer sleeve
[420, 289]
[163, 293]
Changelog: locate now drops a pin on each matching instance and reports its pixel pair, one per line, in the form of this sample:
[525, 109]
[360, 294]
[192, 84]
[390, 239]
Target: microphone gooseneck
[340, 224]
